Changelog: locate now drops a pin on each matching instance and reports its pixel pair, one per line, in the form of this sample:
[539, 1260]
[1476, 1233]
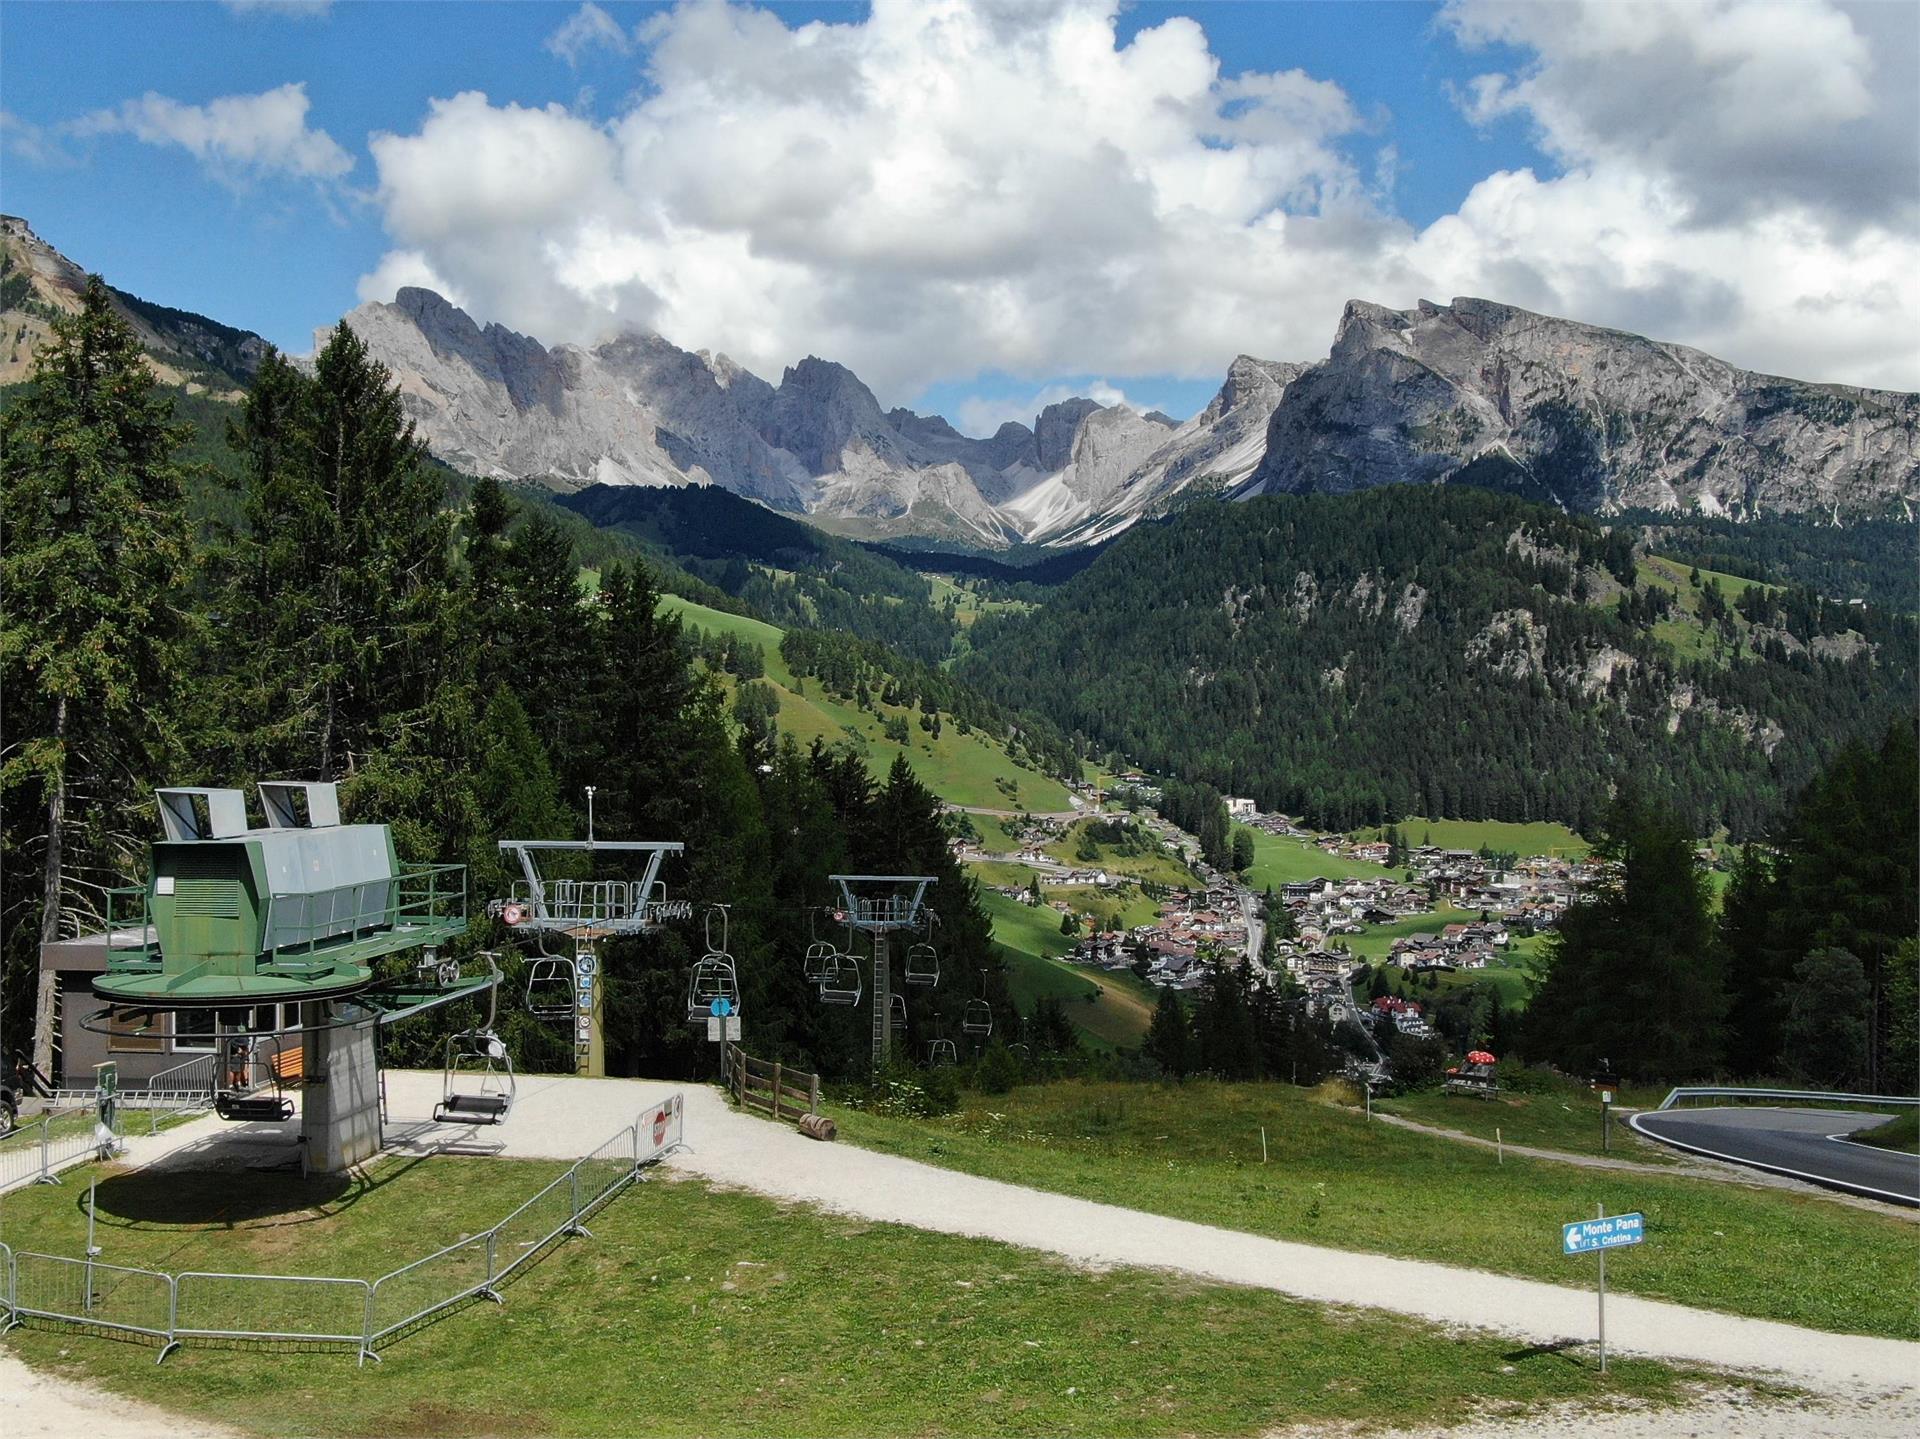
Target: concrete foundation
[340, 1106]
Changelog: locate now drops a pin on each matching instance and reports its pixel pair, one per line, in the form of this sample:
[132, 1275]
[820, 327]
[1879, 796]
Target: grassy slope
[1112, 1010]
[1193, 1151]
[1501, 836]
[962, 769]
[1566, 1117]
[1901, 1132]
[1156, 868]
[1684, 632]
[697, 1311]
[1280, 859]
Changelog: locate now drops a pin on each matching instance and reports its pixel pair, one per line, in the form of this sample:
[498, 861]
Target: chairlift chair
[713, 978]
[842, 984]
[241, 1107]
[977, 1018]
[922, 964]
[942, 1051]
[477, 1057]
[476, 1081]
[897, 1011]
[551, 984]
[820, 961]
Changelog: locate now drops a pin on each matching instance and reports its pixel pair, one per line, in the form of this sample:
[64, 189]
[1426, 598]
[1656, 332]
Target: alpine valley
[1638, 560]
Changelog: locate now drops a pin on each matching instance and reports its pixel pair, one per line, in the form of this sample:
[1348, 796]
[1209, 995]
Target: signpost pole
[1600, 1212]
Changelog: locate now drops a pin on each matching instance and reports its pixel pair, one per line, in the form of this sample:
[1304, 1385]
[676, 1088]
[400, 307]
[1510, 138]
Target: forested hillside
[1447, 652]
[337, 620]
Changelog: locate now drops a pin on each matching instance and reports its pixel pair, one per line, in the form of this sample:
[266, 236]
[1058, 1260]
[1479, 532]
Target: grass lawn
[994, 838]
[1161, 868]
[698, 1311]
[1901, 1132]
[1510, 972]
[969, 769]
[1566, 1117]
[1281, 859]
[1193, 1151]
[1112, 1011]
[1500, 836]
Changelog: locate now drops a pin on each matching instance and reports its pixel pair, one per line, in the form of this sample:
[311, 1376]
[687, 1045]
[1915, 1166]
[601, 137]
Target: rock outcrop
[1591, 419]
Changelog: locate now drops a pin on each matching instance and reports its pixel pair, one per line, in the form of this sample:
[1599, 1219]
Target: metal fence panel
[271, 1306]
[86, 1291]
[604, 1171]
[441, 1278]
[6, 1282]
[532, 1225]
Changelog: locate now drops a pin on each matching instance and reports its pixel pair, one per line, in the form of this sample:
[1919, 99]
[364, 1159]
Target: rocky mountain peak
[1581, 416]
[1054, 429]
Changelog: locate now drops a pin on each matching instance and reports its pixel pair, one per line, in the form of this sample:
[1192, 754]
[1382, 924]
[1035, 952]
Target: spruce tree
[1632, 975]
[1169, 1041]
[97, 560]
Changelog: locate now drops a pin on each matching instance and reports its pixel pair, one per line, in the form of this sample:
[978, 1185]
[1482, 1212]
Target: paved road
[1791, 1141]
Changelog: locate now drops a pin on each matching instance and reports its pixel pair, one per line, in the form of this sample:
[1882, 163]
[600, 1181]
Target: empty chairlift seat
[477, 1085]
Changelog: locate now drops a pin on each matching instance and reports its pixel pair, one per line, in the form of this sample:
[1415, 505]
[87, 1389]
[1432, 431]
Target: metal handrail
[1720, 1091]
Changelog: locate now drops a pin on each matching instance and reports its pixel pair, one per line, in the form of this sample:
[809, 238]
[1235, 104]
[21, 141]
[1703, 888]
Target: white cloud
[951, 187]
[400, 269]
[289, 9]
[33, 143]
[588, 28]
[236, 137]
[981, 415]
[1741, 106]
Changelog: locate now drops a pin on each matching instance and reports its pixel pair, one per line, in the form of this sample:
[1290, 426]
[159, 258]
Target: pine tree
[1632, 974]
[1824, 1038]
[97, 557]
[1169, 1041]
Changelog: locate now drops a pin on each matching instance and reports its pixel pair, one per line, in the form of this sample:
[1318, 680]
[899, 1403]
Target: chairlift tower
[882, 905]
[587, 911]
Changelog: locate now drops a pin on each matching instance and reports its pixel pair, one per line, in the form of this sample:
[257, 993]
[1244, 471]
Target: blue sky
[282, 238]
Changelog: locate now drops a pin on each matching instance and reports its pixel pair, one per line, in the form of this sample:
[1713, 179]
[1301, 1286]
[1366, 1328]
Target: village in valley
[1345, 906]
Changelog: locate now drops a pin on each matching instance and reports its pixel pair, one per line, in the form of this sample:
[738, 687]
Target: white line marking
[1911, 1201]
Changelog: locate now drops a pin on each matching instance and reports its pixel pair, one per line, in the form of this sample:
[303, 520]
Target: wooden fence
[780, 1090]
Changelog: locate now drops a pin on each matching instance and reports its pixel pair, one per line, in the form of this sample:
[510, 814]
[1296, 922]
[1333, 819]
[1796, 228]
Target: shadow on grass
[170, 1197]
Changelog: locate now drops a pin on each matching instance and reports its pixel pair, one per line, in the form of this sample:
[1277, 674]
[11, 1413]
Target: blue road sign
[720, 1008]
[1613, 1232]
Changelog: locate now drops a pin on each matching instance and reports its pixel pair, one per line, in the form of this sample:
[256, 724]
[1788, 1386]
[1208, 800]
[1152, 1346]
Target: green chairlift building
[240, 920]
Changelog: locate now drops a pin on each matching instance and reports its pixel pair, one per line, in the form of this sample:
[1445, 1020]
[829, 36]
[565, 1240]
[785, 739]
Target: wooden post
[776, 1089]
[813, 1095]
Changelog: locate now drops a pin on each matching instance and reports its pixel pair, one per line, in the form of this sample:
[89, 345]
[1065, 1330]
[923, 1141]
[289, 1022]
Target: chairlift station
[298, 912]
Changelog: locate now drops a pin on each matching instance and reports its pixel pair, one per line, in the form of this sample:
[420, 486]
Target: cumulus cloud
[1742, 106]
[957, 187]
[237, 137]
[588, 28]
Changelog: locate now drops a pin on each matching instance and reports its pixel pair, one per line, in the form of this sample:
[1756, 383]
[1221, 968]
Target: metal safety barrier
[1710, 1091]
[327, 1309]
[36, 1153]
